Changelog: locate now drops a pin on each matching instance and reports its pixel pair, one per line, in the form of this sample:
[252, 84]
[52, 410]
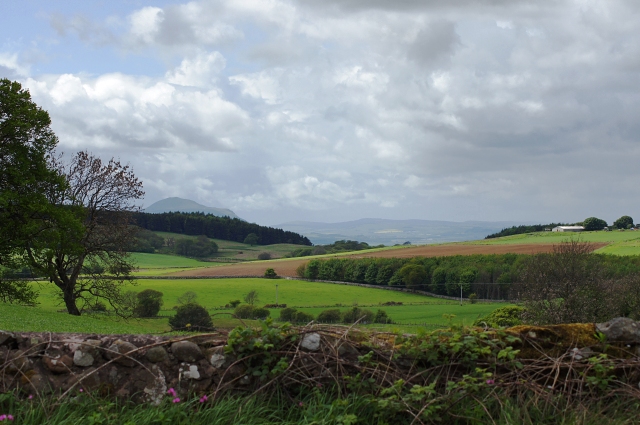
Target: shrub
[382, 317]
[264, 256]
[270, 274]
[330, 316]
[504, 316]
[358, 314]
[302, 317]
[260, 313]
[192, 314]
[473, 298]
[148, 303]
[234, 303]
[287, 314]
[244, 311]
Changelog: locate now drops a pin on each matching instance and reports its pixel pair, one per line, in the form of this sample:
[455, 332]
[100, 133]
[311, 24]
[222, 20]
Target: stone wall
[43, 363]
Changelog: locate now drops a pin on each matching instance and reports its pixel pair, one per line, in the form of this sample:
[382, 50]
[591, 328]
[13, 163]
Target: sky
[335, 110]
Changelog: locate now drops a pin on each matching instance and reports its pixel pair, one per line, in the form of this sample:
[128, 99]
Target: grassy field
[238, 250]
[312, 297]
[620, 242]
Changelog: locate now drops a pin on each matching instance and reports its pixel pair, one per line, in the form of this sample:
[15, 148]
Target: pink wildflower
[3, 417]
[81, 390]
[172, 392]
[490, 381]
[301, 404]
[176, 400]
[10, 417]
[204, 398]
[30, 397]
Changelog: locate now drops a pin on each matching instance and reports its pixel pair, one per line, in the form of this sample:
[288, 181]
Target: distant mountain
[186, 206]
[377, 231]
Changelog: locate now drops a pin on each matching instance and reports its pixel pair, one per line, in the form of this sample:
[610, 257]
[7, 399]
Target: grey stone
[120, 347]
[82, 359]
[186, 351]
[188, 371]
[581, 353]
[217, 360]
[156, 390]
[311, 342]
[620, 329]
[346, 349]
[157, 354]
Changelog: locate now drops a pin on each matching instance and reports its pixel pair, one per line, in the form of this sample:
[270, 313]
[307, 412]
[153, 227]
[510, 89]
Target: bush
[330, 316]
[234, 303]
[287, 314]
[260, 313]
[192, 314]
[148, 303]
[302, 317]
[473, 298]
[360, 315]
[270, 274]
[300, 270]
[382, 317]
[503, 316]
[264, 256]
[244, 311]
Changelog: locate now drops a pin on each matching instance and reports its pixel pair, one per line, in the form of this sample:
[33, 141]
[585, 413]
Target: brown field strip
[288, 267]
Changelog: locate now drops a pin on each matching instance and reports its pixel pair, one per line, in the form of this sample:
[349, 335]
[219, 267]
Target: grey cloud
[434, 43]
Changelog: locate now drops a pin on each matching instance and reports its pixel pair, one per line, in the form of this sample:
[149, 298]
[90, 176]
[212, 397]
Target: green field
[312, 297]
[625, 242]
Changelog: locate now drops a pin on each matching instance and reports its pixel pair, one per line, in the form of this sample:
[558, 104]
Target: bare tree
[572, 285]
[85, 252]
[251, 297]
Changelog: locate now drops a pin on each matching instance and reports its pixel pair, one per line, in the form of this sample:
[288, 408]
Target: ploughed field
[287, 267]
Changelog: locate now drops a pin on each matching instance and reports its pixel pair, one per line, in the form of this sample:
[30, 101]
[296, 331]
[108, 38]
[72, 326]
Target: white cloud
[469, 108]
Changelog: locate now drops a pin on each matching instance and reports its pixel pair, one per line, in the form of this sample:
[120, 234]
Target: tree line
[214, 227]
[445, 275]
[589, 224]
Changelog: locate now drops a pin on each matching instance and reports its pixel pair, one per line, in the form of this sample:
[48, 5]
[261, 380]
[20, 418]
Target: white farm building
[568, 229]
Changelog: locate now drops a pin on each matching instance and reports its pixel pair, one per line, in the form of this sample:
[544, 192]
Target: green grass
[162, 261]
[620, 242]
[37, 319]
[312, 297]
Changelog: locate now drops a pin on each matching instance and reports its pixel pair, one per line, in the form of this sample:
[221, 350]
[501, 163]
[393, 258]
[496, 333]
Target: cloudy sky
[334, 110]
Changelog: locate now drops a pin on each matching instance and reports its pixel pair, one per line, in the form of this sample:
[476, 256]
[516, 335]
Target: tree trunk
[70, 302]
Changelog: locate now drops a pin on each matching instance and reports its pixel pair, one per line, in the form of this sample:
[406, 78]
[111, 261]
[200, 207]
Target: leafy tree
[244, 311]
[234, 303]
[623, 222]
[192, 317]
[147, 241]
[594, 223]
[251, 297]
[330, 316]
[251, 239]
[357, 314]
[149, 303]
[264, 256]
[94, 234]
[200, 248]
[413, 274]
[27, 177]
[270, 274]
[287, 314]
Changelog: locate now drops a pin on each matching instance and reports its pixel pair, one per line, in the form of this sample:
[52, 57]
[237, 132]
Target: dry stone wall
[132, 366]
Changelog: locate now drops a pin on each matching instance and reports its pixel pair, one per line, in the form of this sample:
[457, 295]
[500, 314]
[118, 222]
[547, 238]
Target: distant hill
[186, 206]
[390, 232]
